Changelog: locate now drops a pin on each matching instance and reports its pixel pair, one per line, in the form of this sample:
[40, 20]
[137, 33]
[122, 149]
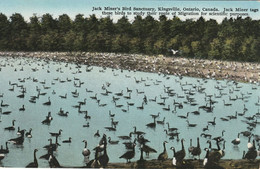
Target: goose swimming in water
[6, 150]
[236, 141]
[48, 103]
[67, 141]
[19, 140]
[22, 108]
[4, 105]
[11, 127]
[29, 134]
[112, 141]
[5, 112]
[56, 134]
[48, 119]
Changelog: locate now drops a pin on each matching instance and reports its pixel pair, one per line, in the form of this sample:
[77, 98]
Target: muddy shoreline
[237, 71]
[188, 164]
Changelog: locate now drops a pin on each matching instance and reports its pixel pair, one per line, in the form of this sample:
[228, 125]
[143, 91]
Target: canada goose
[104, 159]
[171, 129]
[210, 159]
[6, 150]
[112, 142]
[119, 94]
[53, 162]
[19, 140]
[141, 161]
[166, 109]
[141, 107]
[179, 155]
[28, 134]
[94, 97]
[56, 134]
[251, 153]
[164, 155]
[137, 132]
[233, 117]
[126, 137]
[63, 97]
[226, 104]
[48, 103]
[152, 124]
[190, 149]
[82, 102]
[110, 128]
[22, 108]
[174, 162]
[2, 156]
[101, 105]
[94, 163]
[67, 141]
[97, 134]
[118, 105]
[161, 122]
[155, 115]
[184, 117]
[191, 124]
[129, 154]
[212, 122]
[171, 134]
[11, 127]
[114, 123]
[33, 164]
[86, 125]
[236, 141]
[197, 150]
[110, 114]
[4, 105]
[48, 119]
[128, 97]
[5, 112]
[220, 137]
[86, 152]
[52, 146]
[153, 100]
[147, 149]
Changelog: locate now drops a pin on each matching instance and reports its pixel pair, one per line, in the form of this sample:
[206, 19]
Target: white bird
[174, 52]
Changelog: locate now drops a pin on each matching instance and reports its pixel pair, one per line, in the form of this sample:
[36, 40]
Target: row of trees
[232, 39]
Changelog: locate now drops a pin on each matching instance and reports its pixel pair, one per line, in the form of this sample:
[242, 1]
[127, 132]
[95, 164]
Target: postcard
[129, 84]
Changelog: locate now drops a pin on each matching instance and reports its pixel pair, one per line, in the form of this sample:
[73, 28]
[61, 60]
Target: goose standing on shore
[197, 150]
[33, 164]
[129, 154]
[164, 155]
[86, 152]
[179, 155]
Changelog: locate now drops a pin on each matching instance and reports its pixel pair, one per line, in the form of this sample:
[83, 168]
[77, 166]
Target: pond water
[58, 78]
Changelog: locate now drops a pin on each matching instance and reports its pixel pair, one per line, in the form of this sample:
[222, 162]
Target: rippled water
[153, 85]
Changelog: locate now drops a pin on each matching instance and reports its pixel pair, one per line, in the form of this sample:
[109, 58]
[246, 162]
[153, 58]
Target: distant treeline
[232, 39]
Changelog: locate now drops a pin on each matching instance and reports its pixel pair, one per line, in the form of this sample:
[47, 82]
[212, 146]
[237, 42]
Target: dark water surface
[244, 97]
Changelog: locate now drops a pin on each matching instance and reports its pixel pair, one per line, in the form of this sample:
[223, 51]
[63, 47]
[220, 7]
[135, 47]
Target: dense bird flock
[114, 111]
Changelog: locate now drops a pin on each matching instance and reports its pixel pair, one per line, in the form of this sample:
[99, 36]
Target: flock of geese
[180, 102]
